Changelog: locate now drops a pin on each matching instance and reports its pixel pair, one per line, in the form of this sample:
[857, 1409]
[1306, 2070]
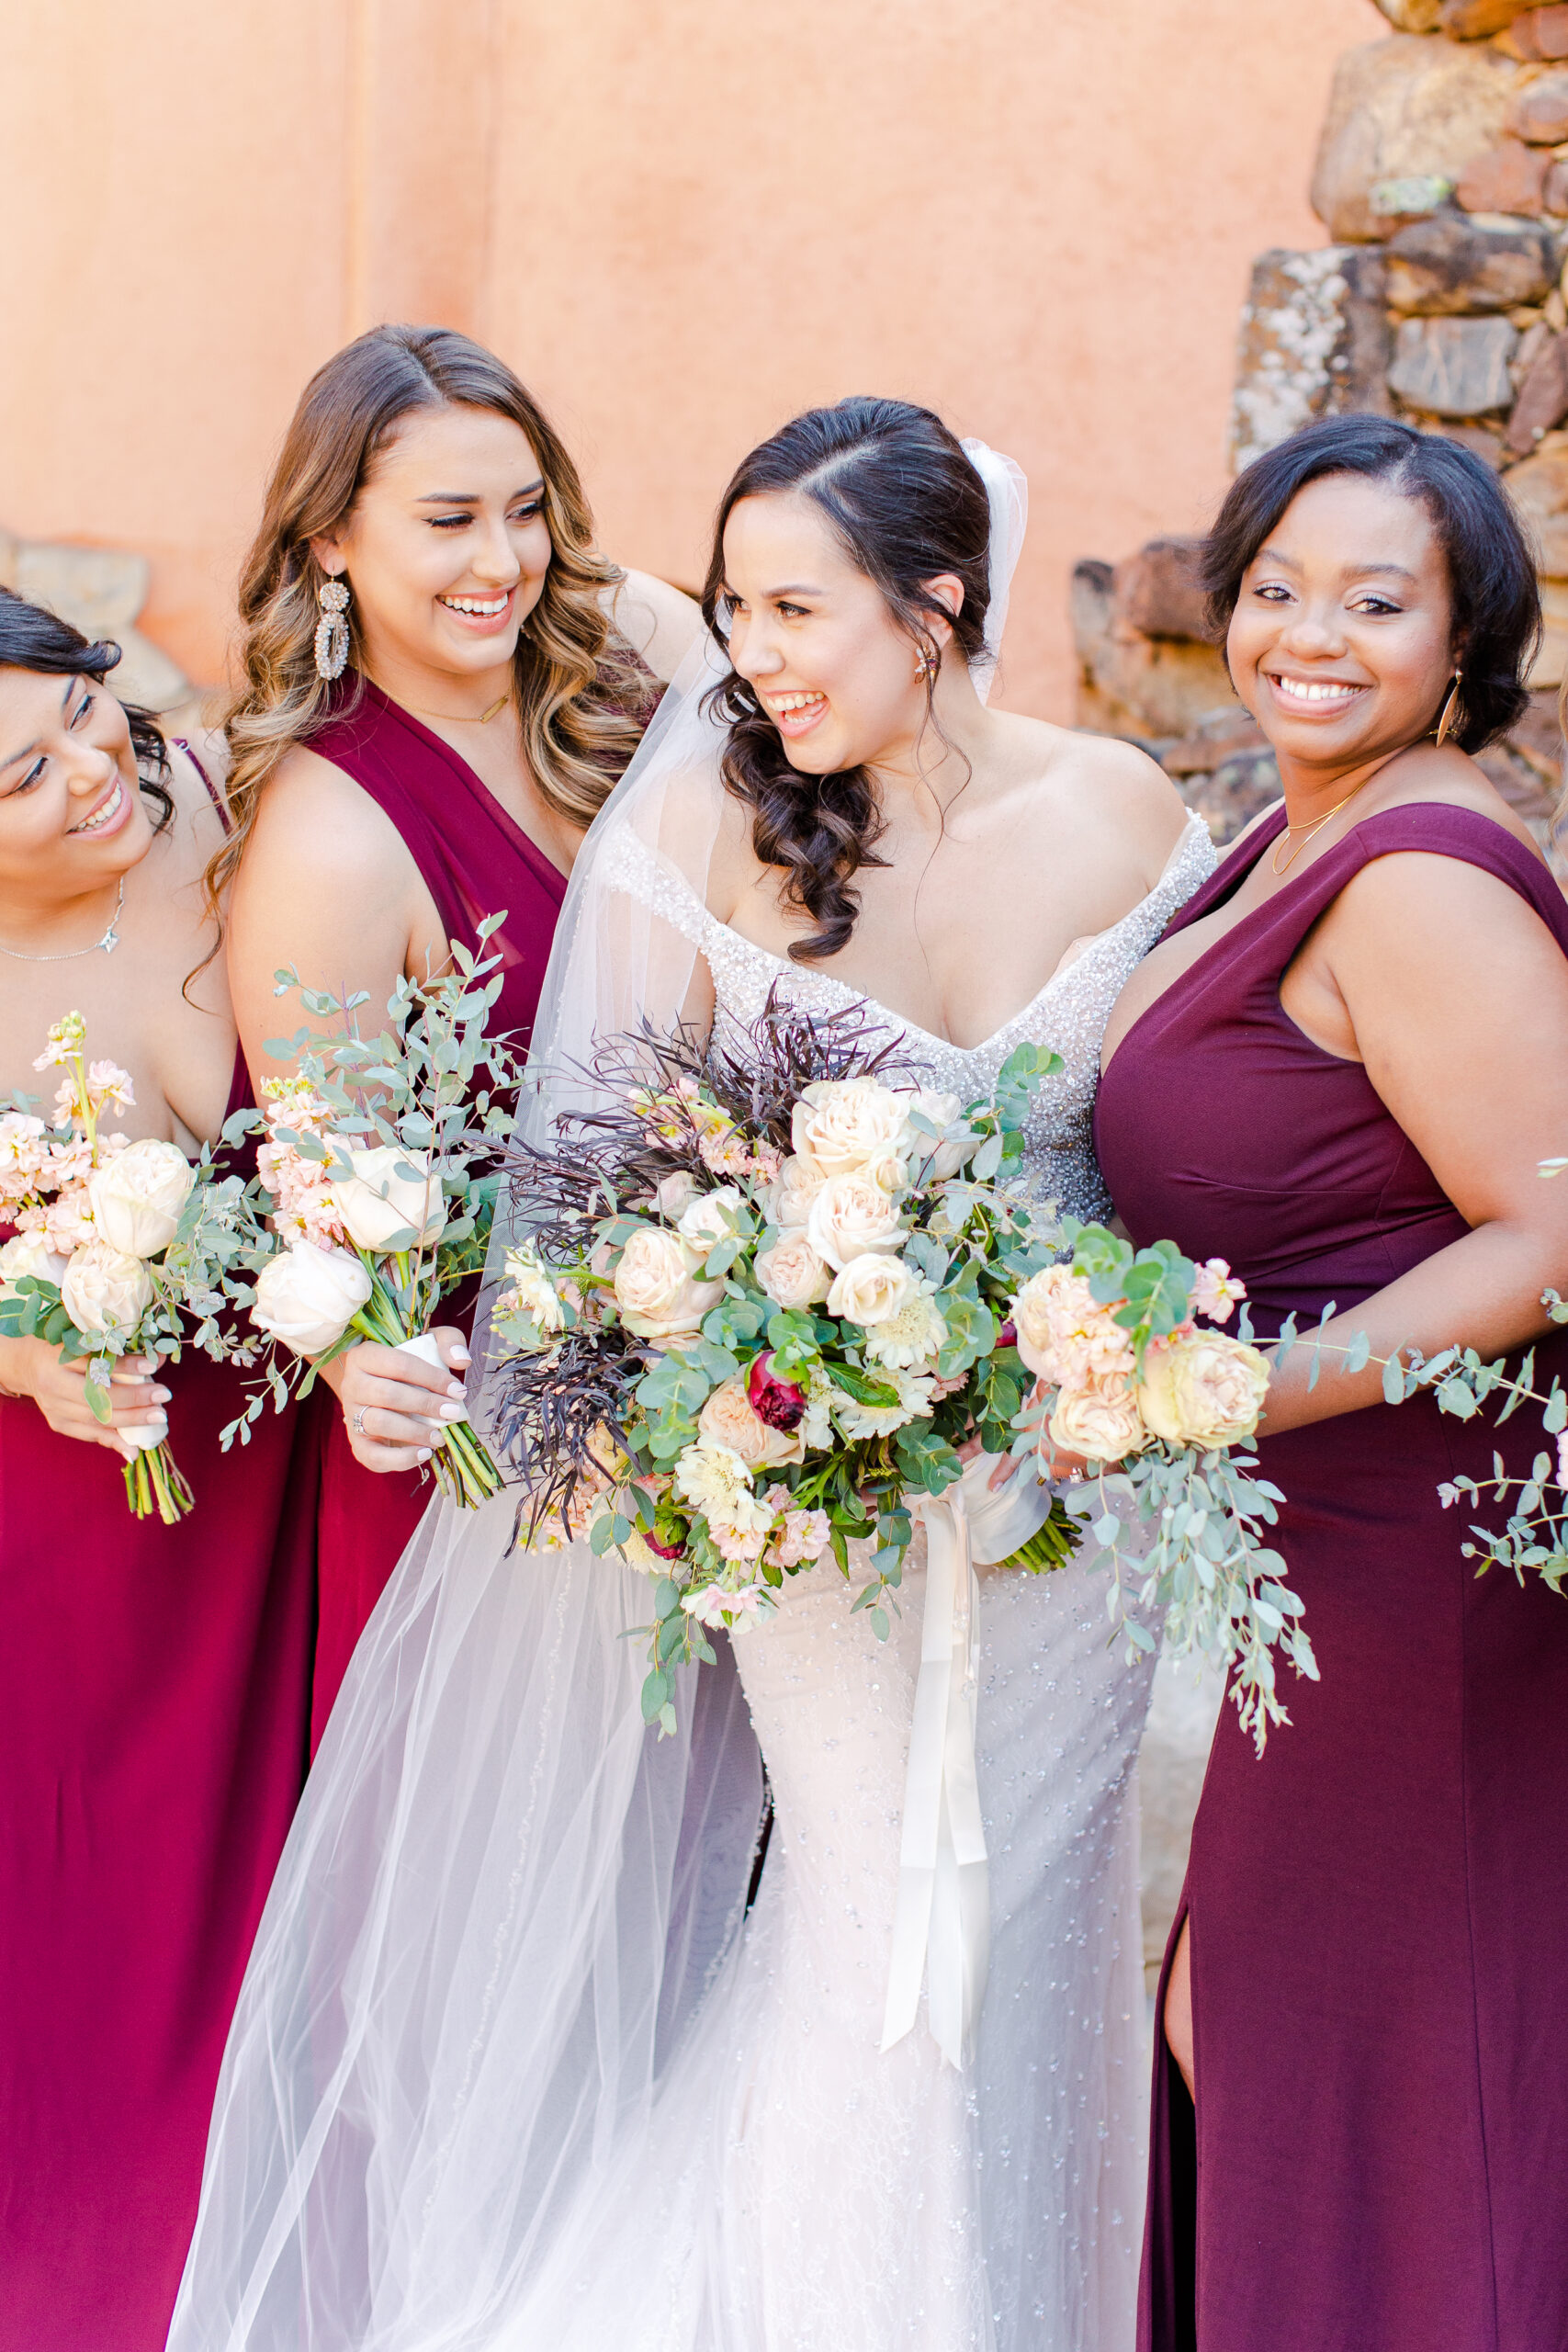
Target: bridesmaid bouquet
[1161, 1407]
[762, 1304]
[119, 1247]
[376, 1185]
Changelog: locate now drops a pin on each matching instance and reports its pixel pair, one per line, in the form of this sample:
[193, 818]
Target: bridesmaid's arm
[1450, 989]
[327, 886]
[658, 621]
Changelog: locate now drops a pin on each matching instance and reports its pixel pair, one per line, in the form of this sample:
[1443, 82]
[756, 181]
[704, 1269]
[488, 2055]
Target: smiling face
[1341, 641]
[834, 670]
[446, 548]
[71, 816]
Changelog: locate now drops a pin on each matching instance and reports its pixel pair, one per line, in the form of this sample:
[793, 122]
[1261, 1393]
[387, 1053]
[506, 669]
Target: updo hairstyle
[906, 505]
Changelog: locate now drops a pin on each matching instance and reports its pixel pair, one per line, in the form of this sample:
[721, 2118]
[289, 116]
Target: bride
[514, 2065]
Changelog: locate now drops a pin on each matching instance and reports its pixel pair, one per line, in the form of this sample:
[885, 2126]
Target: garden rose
[780, 1403]
[934, 1158]
[30, 1253]
[729, 1418]
[655, 1289]
[1064, 1334]
[792, 1273]
[106, 1289]
[797, 1184]
[1100, 1420]
[849, 1216]
[307, 1297]
[843, 1124]
[709, 1218]
[1203, 1389]
[672, 1195]
[137, 1198]
[871, 1288]
[377, 1206]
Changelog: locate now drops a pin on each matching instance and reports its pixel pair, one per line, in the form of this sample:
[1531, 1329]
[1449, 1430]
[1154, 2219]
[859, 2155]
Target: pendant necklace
[1315, 827]
[107, 943]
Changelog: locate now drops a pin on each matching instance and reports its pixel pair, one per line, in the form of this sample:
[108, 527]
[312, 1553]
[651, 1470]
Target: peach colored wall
[680, 223]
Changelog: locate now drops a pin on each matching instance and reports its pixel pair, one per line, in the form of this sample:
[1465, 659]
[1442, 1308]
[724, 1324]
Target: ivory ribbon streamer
[942, 1923]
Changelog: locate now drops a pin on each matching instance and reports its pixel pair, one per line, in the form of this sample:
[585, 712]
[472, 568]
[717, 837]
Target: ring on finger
[357, 1420]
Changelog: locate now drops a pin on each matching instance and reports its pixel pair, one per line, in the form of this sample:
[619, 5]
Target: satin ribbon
[942, 1923]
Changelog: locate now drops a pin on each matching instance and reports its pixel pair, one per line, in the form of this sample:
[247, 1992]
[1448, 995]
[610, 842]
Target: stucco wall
[680, 223]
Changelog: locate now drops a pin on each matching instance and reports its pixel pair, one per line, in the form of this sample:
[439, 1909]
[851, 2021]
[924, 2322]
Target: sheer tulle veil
[503, 1900]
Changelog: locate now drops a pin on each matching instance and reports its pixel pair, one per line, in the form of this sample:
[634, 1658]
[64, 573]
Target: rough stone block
[1130, 685]
[1314, 342]
[1555, 188]
[1539, 488]
[1538, 112]
[1157, 589]
[1540, 33]
[1450, 264]
[1454, 366]
[1476, 19]
[1413, 15]
[1510, 177]
[100, 591]
[1403, 108]
[1543, 396]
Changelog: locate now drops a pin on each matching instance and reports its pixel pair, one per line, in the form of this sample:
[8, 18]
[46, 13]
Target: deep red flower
[779, 1403]
[1008, 1336]
[665, 1551]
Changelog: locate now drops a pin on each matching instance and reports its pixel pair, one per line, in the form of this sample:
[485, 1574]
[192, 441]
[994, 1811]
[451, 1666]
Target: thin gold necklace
[455, 719]
[1311, 831]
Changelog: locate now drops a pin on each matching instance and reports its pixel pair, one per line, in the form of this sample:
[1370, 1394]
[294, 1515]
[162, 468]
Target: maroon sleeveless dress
[475, 860]
[1379, 1907]
[154, 1711]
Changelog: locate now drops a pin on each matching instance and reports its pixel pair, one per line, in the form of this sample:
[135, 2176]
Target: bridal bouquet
[759, 1307]
[376, 1184]
[1162, 1408]
[119, 1246]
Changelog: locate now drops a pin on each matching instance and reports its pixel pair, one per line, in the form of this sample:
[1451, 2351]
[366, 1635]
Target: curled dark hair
[906, 505]
[34, 638]
[1492, 581]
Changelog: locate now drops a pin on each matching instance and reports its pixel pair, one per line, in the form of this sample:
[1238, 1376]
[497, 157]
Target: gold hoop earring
[1453, 718]
[332, 631]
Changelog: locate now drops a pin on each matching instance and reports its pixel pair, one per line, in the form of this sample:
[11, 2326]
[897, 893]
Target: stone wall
[1441, 178]
[100, 591]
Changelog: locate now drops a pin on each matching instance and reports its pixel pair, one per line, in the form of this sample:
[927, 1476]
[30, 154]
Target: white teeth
[486, 608]
[1301, 690]
[796, 702]
[100, 816]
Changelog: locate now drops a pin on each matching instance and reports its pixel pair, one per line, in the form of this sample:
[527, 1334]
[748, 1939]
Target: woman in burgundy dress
[444, 679]
[1339, 1071]
[154, 1681]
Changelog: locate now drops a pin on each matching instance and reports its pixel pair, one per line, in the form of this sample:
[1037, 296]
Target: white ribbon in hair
[942, 1925]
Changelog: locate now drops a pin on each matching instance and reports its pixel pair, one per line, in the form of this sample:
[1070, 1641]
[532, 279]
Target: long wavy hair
[906, 505]
[32, 638]
[581, 692]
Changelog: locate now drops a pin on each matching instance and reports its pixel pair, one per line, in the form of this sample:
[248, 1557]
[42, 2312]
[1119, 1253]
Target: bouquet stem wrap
[942, 1922]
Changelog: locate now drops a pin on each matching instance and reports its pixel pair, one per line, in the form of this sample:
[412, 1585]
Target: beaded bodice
[1069, 1014]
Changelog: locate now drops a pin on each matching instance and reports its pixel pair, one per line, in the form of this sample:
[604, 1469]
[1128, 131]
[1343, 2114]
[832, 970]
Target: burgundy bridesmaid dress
[475, 860]
[154, 1713]
[1379, 1907]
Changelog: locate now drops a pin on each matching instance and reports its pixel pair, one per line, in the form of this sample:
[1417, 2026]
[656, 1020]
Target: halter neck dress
[154, 1708]
[1378, 1907]
[475, 860]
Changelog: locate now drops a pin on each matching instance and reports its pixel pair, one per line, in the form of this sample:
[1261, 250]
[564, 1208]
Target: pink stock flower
[1215, 1290]
[803, 1537]
[107, 1082]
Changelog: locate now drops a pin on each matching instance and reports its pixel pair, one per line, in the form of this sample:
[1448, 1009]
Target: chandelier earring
[332, 630]
[927, 663]
[1453, 715]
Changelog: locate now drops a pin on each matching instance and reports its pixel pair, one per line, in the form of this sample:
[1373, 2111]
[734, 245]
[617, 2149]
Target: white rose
[792, 1273]
[851, 1215]
[728, 1418]
[655, 1289]
[871, 1289]
[672, 1195]
[710, 1218]
[30, 1253]
[789, 1199]
[934, 1158]
[1203, 1389]
[307, 1297]
[137, 1198]
[106, 1289]
[843, 1122]
[377, 1206]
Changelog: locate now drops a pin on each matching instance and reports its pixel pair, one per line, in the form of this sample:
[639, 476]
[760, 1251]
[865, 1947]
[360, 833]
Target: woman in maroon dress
[1339, 1071]
[444, 679]
[154, 1681]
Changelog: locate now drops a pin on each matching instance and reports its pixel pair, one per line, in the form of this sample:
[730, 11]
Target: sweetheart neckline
[1194, 826]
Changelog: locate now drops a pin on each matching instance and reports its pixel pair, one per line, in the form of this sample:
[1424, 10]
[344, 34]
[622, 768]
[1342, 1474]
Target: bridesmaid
[154, 1681]
[445, 678]
[1339, 1071]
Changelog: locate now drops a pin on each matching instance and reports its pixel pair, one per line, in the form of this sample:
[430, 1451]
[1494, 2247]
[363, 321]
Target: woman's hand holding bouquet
[119, 1247]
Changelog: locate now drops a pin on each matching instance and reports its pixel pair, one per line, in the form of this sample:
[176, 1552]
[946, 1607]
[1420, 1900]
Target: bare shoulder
[1112, 788]
[656, 620]
[314, 822]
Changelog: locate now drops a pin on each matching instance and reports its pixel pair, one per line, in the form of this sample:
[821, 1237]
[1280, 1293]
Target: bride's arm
[1454, 996]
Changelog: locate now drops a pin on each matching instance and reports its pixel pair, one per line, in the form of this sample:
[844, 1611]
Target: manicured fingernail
[459, 1355]
[455, 1388]
[162, 1395]
[453, 1413]
[423, 1454]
